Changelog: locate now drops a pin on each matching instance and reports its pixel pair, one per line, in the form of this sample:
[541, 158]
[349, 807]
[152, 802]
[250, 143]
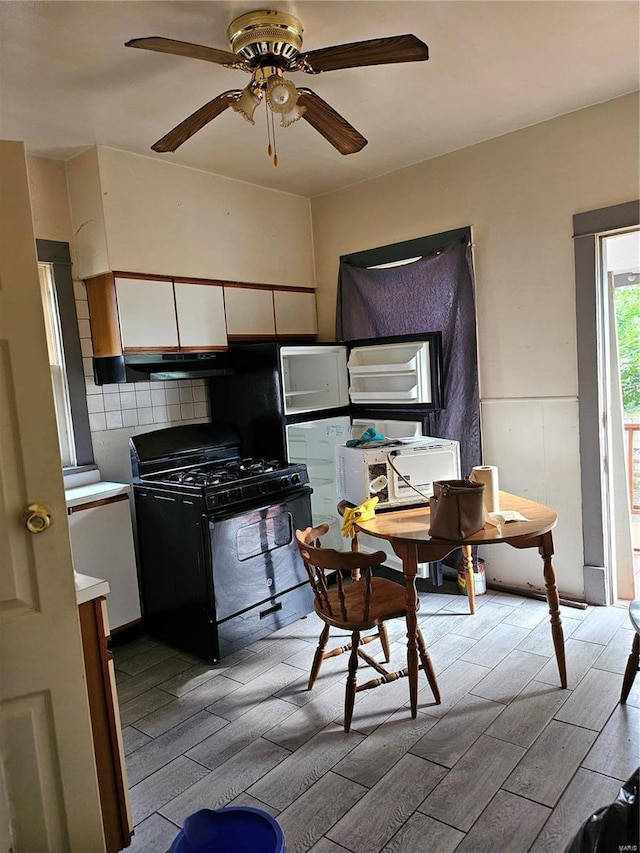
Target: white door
[49, 796]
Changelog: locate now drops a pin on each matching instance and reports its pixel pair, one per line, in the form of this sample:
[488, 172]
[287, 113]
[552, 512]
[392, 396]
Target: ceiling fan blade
[382, 51]
[330, 124]
[185, 48]
[181, 132]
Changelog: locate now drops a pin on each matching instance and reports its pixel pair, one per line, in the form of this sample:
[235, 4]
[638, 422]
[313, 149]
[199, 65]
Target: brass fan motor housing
[261, 33]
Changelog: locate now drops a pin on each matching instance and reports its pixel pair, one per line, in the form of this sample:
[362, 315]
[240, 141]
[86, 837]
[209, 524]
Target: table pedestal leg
[409, 557]
[467, 555]
[545, 550]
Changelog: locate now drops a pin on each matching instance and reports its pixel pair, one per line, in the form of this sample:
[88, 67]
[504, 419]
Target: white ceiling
[67, 81]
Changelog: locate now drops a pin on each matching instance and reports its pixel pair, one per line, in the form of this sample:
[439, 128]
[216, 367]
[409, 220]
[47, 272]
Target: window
[65, 358]
[57, 365]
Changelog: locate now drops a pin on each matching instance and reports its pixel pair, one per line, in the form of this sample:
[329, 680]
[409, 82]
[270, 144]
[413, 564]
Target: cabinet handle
[37, 518]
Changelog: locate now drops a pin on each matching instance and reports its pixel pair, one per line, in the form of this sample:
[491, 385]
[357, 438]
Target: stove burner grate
[220, 473]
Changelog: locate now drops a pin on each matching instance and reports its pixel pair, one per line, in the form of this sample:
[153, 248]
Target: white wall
[164, 219]
[49, 199]
[519, 193]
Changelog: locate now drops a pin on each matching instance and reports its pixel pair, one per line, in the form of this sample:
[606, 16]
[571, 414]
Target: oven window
[264, 535]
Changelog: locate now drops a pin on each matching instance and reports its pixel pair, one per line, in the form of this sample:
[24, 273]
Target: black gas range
[232, 483]
[215, 531]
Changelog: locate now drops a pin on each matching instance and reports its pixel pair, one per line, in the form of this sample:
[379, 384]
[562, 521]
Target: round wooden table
[407, 531]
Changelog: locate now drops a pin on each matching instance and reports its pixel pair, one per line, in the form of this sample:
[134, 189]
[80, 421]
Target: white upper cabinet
[169, 315]
[295, 313]
[147, 314]
[249, 311]
[200, 313]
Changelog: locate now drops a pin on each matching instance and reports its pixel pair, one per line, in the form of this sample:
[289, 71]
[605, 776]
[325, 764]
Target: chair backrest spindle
[350, 567]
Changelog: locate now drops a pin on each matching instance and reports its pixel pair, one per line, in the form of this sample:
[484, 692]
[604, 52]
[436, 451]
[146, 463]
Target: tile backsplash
[132, 404]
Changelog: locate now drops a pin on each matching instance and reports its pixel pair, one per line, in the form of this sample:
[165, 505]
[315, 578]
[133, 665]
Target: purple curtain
[434, 293]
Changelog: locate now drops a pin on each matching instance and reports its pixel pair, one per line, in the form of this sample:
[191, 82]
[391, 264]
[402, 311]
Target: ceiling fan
[266, 45]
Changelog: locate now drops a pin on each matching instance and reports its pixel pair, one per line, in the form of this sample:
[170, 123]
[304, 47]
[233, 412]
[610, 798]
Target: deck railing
[632, 441]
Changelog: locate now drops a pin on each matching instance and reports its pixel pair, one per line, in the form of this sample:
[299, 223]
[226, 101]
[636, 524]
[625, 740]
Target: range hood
[141, 367]
[193, 365]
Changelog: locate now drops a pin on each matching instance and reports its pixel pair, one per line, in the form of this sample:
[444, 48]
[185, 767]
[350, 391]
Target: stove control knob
[284, 482]
[224, 498]
[295, 479]
[263, 488]
[235, 494]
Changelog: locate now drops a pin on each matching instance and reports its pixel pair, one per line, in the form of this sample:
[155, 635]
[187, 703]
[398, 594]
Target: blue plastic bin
[234, 829]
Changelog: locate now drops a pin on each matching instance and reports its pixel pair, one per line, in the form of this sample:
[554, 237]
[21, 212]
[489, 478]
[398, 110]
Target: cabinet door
[102, 546]
[295, 313]
[200, 310]
[249, 312]
[147, 314]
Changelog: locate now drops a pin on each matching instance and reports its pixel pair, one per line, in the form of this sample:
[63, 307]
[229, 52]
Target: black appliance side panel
[175, 573]
[252, 399]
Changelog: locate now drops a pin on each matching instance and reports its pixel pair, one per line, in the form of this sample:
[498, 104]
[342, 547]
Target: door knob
[37, 518]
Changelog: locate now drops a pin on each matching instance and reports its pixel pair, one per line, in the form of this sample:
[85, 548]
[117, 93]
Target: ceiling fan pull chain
[273, 133]
[266, 113]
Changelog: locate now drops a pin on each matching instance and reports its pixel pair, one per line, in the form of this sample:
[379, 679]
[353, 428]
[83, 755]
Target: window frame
[58, 256]
[588, 228]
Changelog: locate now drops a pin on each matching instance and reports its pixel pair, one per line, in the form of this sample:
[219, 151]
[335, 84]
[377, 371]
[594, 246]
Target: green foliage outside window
[627, 303]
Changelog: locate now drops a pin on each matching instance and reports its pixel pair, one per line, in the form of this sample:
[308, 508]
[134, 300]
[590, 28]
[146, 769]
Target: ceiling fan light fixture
[282, 94]
[247, 103]
[289, 118]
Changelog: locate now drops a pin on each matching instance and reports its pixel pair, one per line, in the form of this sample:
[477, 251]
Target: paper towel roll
[488, 474]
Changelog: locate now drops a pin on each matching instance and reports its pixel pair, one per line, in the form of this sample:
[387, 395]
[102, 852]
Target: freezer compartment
[314, 378]
[391, 373]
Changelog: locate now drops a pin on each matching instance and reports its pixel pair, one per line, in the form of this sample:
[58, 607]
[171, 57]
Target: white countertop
[88, 588]
[94, 492]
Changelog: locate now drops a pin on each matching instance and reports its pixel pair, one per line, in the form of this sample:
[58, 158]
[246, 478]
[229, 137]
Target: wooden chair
[634, 656]
[321, 654]
[356, 605]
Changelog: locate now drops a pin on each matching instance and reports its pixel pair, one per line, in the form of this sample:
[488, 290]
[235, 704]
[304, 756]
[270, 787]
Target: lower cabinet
[105, 724]
[102, 545]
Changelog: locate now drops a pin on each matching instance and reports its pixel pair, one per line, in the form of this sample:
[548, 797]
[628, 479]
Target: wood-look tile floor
[508, 761]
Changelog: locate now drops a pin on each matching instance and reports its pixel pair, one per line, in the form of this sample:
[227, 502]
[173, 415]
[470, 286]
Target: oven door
[254, 555]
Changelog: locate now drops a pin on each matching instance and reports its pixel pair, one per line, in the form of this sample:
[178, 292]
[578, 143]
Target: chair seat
[387, 602]
[633, 663]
